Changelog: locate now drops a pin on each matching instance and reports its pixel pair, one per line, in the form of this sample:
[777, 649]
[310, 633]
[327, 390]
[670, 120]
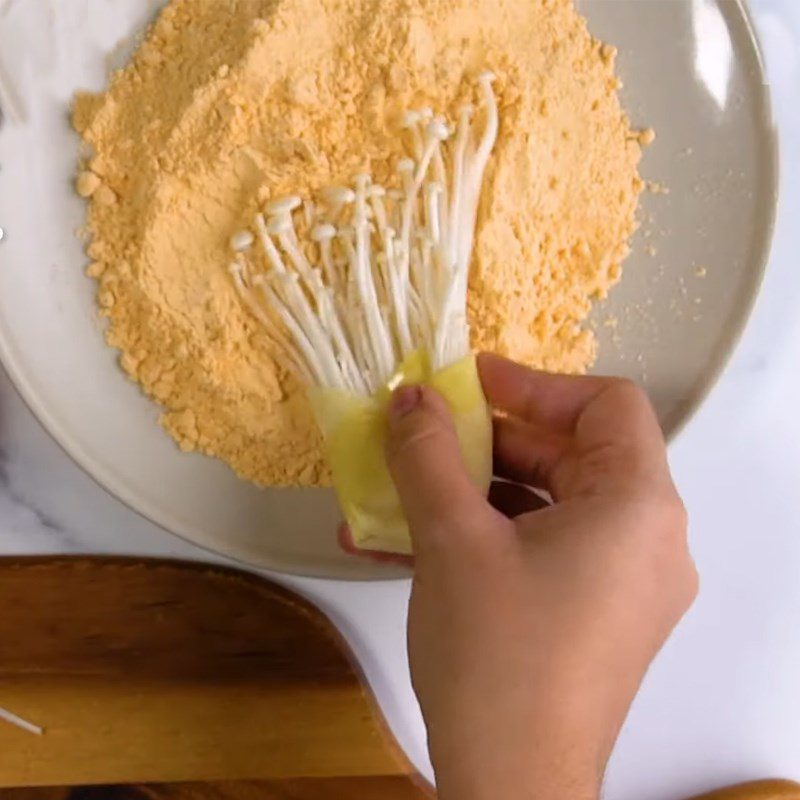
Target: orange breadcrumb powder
[229, 103]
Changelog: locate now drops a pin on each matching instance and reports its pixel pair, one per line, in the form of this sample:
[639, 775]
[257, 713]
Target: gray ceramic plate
[691, 70]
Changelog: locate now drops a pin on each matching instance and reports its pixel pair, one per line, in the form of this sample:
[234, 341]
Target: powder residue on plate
[224, 108]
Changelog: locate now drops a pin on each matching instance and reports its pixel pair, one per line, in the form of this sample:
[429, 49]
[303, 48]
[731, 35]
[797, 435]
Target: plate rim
[737, 324]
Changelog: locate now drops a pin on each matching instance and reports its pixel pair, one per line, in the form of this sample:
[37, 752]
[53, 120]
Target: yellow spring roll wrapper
[354, 429]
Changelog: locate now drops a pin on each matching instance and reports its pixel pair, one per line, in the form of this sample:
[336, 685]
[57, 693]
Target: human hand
[529, 634]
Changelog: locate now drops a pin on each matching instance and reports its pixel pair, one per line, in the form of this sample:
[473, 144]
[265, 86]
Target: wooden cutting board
[160, 680]
[152, 671]
[387, 789]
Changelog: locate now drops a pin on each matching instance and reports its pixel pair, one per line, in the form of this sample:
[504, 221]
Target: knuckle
[629, 388]
[628, 394]
[675, 517]
[422, 434]
[685, 583]
[681, 516]
[692, 582]
[667, 547]
[666, 512]
[424, 429]
[681, 572]
[416, 435]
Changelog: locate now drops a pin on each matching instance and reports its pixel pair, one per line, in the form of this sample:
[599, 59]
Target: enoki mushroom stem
[374, 273]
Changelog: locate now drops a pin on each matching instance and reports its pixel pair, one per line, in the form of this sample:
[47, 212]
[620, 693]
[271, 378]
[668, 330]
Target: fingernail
[404, 401]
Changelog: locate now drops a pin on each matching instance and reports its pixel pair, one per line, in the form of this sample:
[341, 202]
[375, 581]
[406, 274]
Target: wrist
[476, 783]
[537, 768]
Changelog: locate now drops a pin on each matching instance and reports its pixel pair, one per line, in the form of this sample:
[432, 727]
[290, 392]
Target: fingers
[526, 453]
[552, 401]
[424, 457]
[619, 445]
[573, 435]
[622, 413]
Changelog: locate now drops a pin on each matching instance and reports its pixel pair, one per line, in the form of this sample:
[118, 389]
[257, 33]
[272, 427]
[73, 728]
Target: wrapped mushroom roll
[366, 290]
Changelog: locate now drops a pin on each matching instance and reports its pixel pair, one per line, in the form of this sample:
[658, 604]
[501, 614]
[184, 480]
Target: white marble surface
[722, 702]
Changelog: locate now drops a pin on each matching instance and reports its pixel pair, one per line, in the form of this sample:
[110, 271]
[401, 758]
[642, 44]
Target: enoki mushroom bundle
[364, 289]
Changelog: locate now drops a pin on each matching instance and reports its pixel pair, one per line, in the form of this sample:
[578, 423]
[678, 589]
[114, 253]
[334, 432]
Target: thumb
[424, 457]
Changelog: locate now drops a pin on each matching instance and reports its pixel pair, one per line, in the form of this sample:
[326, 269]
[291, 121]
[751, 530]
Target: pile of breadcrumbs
[229, 103]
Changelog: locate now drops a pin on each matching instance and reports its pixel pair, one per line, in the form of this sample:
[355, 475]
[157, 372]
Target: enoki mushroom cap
[384, 270]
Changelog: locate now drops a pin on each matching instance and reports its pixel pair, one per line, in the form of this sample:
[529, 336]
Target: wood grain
[165, 681]
[756, 790]
[154, 672]
[374, 788]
